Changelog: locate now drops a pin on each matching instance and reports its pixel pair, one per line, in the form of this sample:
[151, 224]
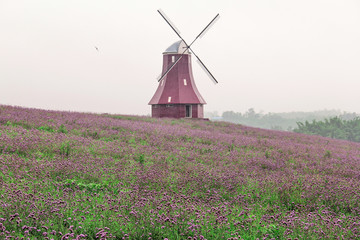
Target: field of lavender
[67, 175]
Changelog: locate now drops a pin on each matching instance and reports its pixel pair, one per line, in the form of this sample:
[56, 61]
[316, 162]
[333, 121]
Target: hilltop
[101, 176]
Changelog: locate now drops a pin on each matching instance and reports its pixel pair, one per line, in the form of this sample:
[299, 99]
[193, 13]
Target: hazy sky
[272, 55]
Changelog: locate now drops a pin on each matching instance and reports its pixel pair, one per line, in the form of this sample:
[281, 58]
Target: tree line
[327, 123]
[286, 121]
[335, 127]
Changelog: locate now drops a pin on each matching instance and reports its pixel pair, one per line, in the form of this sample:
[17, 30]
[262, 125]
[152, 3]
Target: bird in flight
[96, 48]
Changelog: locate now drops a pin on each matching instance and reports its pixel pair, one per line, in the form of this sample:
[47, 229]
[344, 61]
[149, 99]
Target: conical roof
[177, 48]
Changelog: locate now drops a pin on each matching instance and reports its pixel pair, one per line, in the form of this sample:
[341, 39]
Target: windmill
[177, 95]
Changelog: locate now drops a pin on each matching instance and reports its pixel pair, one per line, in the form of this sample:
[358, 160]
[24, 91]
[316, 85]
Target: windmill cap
[177, 48]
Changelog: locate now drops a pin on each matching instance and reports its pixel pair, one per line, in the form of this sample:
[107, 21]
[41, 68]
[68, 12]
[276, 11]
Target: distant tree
[251, 114]
[211, 114]
[231, 116]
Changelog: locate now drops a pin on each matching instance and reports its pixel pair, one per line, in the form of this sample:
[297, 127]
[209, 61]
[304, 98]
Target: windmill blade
[159, 77]
[176, 30]
[207, 71]
[171, 67]
[215, 19]
[202, 65]
[163, 15]
[202, 33]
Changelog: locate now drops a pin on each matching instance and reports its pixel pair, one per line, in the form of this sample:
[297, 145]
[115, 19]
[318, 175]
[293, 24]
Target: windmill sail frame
[188, 47]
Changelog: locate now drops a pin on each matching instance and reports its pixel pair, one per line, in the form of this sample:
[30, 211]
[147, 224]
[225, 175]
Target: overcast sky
[271, 55]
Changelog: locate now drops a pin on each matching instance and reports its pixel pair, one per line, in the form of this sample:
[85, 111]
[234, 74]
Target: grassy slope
[101, 176]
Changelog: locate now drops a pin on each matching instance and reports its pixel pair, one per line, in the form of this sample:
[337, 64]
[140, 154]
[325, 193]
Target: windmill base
[177, 111]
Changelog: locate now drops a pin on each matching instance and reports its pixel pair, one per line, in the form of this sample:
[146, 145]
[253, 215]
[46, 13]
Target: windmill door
[188, 111]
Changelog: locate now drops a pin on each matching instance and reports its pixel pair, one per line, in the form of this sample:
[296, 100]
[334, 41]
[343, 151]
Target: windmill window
[169, 99]
[185, 82]
[173, 58]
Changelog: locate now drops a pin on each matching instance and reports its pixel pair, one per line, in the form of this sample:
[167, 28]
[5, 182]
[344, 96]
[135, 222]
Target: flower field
[68, 175]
